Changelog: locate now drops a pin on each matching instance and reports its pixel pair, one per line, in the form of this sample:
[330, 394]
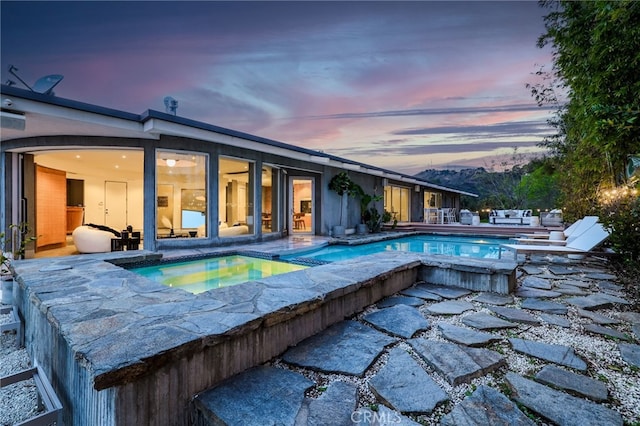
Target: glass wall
[302, 206]
[396, 202]
[236, 195]
[181, 194]
[269, 199]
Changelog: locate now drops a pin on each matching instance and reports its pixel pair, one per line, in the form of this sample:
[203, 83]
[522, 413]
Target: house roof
[27, 114]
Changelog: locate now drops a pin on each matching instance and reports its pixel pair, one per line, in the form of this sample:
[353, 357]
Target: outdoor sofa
[510, 217]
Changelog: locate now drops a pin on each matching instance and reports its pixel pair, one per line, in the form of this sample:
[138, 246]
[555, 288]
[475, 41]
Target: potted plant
[342, 185]
[368, 216]
[8, 252]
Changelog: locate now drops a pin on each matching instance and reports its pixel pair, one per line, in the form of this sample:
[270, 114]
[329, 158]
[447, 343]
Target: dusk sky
[400, 85]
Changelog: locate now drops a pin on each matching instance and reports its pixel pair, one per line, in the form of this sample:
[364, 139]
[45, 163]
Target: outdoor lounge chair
[582, 244]
[578, 228]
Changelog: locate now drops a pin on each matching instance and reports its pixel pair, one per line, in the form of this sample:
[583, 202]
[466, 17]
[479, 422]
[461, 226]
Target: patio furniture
[431, 215]
[510, 217]
[466, 217]
[581, 245]
[449, 215]
[579, 227]
[551, 218]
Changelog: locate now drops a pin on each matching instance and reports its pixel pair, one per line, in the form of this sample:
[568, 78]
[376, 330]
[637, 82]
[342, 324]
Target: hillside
[469, 180]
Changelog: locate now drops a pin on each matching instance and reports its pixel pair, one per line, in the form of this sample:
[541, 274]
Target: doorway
[302, 206]
[115, 205]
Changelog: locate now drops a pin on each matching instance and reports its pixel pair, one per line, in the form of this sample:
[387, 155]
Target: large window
[236, 209]
[432, 199]
[181, 194]
[396, 202]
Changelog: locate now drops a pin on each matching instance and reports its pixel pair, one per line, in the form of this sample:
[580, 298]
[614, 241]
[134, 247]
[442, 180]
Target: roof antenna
[170, 105]
[44, 84]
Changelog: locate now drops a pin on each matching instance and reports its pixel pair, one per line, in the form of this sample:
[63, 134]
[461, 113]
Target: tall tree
[596, 59]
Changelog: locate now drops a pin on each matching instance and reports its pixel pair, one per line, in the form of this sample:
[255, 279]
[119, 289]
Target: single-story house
[179, 182]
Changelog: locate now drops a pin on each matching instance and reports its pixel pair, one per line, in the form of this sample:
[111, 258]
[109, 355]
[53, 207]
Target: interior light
[78, 156]
[171, 162]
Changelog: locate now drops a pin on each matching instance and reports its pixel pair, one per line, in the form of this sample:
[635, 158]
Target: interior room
[75, 187]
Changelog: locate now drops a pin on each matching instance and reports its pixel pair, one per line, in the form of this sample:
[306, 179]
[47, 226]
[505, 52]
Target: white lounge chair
[582, 244]
[578, 228]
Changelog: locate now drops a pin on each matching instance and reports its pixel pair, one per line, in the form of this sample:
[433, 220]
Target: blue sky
[401, 85]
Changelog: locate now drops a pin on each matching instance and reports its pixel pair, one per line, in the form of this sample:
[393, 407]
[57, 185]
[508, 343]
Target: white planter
[7, 290]
[556, 236]
[338, 231]
[576, 256]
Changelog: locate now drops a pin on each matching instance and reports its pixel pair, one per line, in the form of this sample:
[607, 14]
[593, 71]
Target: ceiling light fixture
[173, 162]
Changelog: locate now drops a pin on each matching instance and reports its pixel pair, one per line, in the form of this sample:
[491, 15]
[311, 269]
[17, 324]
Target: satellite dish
[170, 105]
[46, 84]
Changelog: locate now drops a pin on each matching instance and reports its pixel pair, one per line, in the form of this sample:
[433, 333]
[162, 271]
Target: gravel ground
[605, 364]
[18, 402]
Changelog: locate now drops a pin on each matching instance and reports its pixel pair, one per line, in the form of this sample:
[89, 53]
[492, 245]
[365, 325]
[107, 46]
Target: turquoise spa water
[430, 244]
[201, 275]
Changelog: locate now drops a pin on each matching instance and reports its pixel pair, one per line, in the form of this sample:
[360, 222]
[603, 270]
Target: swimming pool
[197, 276]
[477, 247]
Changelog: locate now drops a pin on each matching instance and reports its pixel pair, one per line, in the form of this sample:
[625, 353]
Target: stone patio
[440, 368]
[117, 335]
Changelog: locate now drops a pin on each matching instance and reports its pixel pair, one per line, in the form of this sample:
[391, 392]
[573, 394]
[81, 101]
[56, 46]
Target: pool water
[430, 244]
[201, 275]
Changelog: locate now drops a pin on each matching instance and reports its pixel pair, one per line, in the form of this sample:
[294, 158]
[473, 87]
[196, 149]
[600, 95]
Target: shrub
[620, 214]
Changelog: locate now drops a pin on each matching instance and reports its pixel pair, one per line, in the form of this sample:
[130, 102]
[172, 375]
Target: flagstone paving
[567, 380]
[398, 382]
[560, 354]
[486, 406]
[400, 320]
[335, 349]
[558, 406]
[472, 359]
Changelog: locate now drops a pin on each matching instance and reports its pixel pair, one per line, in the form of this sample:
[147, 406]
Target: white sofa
[510, 217]
[92, 240]
[225, 230]
[552, 218]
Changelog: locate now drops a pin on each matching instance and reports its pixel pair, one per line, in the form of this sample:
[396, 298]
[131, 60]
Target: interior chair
[298, 221]
[92, 240]
[581, 245]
